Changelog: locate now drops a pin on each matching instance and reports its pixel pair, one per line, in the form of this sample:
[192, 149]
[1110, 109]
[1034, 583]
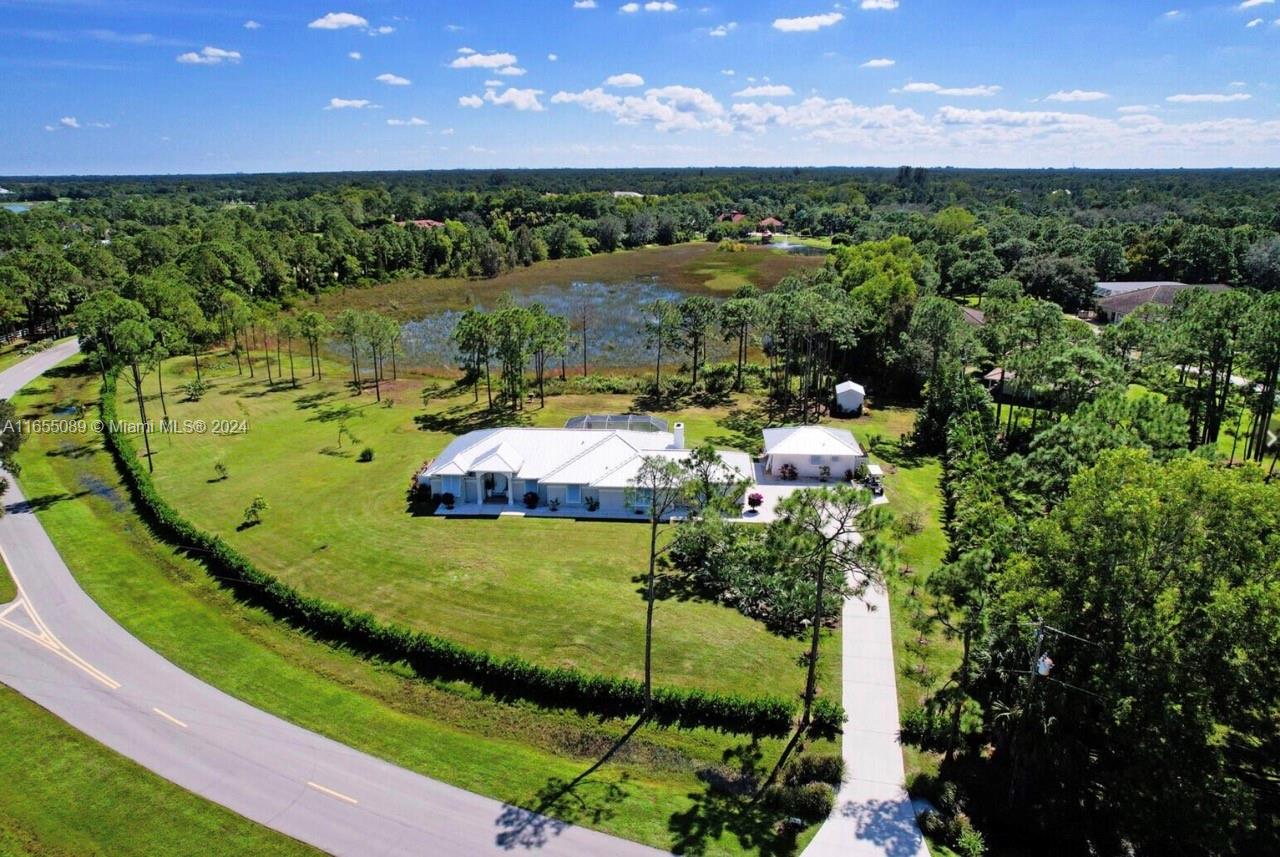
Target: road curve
[59, 649]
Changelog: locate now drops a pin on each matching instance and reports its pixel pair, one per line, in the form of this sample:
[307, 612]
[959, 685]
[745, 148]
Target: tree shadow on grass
[312, 401]
[336, 413]
[561, 803]
[461, 419]
[727, 804]
[44, 501]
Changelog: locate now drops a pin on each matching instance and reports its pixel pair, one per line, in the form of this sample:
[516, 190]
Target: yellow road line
[170, 718]
[332, 793]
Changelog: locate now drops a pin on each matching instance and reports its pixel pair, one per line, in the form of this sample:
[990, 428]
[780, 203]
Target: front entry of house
[496, 487]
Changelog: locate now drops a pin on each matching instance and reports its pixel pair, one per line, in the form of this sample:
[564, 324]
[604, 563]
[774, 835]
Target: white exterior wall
[849, 401]
[807, 466]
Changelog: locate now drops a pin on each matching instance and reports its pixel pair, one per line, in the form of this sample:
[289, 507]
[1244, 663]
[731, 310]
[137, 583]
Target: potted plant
[591, 503]
[531, 499]
[788, 472]
[447, 499]
[554, 504]
[824, 472]
[755, 500]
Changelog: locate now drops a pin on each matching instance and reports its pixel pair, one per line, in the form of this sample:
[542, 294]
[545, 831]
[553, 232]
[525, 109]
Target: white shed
[814, 452]
[849, 397]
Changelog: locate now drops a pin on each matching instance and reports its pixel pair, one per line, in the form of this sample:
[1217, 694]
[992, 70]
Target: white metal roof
[810, 440]
[846, 386]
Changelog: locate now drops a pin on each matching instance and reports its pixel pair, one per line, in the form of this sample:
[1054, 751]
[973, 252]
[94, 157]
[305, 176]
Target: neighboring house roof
[810, 440]
[732, 217]
[770, 223]
[1163, 294]
[973, 316]
[850, 386]
[423, 224]
[1107, 290]
[627, 194]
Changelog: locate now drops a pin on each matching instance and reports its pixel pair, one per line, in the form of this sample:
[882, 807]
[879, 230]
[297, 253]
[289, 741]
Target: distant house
[770, 224]
[973, 316]
[810, 449]
[627, 194]
[731, 217]
[849, 397]
[1117, 300]
[584, 468]
[422, 224]
[4, 191]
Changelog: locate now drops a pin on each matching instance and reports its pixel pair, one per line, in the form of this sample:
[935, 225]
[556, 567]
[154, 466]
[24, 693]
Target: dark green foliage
[827, 769]
[430, 656]
[366, 454]
[811, 802]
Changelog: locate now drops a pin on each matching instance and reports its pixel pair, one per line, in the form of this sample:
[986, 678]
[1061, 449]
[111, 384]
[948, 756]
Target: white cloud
[553, 57]
[69, 122]
[1256, 22]
[252, 25]
[494, 83]
[667, 108]
[209, 55]
[384, 30]
[392, 79]
[775, 90]
[471, 101]
[660, 6]
[338, 21]
[728, 72]
[1249, 4]
[447, 132]
[1137, 108]
[1172, 14]
[356, 55]
[882, 62]
[957, 91]
[1077, 95]
[624, 80]
[520, 99]
[1014, 118]
[879, 4]
[411, 121]
[724, 29]
[584, 4]
[808, 23]
[349, 104]
[1208, 97]
[472, 59]
[1238, 83]
[629, 8]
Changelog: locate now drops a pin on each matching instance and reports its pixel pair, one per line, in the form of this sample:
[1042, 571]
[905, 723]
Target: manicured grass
[651, 792]
[62, 793]
[558, 592]
[695, 267]
[8, 590]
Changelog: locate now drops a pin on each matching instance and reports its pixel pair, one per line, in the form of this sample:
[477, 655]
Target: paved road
[60, 650]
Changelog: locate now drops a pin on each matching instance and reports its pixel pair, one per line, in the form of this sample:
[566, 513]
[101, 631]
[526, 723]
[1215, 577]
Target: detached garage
[813, 451]
[849, 397]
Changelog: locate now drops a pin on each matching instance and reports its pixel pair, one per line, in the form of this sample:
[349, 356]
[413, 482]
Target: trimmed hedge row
[431, 656]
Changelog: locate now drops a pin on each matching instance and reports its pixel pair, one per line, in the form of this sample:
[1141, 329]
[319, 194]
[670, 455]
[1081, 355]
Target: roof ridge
[607, 435]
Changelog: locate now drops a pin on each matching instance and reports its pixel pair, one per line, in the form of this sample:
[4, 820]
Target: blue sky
[150, 86]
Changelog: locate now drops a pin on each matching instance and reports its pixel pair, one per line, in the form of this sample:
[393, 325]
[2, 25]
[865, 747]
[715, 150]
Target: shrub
[828, 718]
[195, 389]
[531, 499]
[426, 654]
[366, 454]
[253, 512]
[447, 499]
[827, 768]
[755, 499]
[811, 802]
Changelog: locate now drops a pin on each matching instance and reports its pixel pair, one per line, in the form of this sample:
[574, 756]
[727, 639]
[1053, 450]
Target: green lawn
[62, 793]
[8, 591]
[653, 791]
[558, 592]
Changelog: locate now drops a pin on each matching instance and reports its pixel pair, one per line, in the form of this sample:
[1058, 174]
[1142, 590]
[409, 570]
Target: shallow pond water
[615, 318]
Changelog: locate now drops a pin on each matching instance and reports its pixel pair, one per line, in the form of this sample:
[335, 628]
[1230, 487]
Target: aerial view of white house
[588, 465]
[811, 452]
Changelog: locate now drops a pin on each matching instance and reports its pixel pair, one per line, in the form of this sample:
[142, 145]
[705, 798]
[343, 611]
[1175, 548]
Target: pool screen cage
[617, 422]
